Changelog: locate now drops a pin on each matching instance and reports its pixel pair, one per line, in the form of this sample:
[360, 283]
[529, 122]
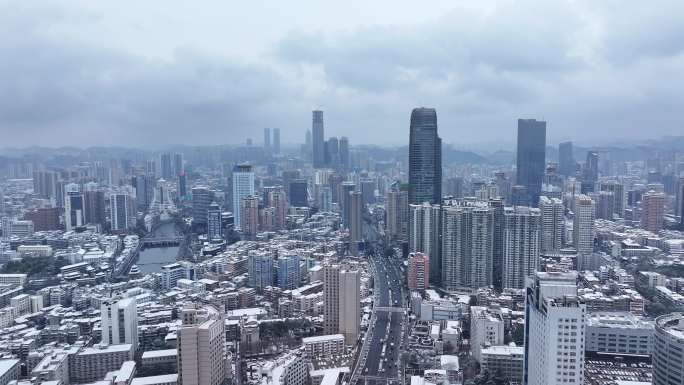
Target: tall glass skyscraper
[276, 140]
[425, 158]
[566, 161]
[590, 172]
[531, 157]
[318, 140]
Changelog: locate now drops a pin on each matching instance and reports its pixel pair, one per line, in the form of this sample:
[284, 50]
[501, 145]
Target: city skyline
[303, 193]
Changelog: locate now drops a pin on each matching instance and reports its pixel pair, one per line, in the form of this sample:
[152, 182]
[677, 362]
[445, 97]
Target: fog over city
[162, 73]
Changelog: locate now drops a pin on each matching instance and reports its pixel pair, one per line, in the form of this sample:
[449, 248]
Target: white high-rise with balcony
[554, 331]
[552, 226]
[120, 322]
[522, 228]
[201, 347]
[583, 225]
[243, 186]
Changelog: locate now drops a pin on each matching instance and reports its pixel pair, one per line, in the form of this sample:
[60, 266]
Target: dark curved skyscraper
[531, 157]
[425, 158]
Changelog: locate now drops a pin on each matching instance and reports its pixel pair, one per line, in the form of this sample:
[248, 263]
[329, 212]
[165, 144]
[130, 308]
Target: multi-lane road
[380, 357]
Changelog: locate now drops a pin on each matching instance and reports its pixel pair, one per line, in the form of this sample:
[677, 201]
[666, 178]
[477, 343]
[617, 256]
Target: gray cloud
[593, 71]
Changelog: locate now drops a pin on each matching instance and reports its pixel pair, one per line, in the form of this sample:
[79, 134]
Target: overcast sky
[165, 72]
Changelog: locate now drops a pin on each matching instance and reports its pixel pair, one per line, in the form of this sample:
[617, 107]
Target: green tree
[28, 265]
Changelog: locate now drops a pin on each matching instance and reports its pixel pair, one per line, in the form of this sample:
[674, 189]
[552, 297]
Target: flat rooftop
[151, 380]
[322, 338]
[160, 353]
[103, 349]
[6, 365]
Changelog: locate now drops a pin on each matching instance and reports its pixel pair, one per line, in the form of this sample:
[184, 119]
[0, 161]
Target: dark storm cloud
[592, 70]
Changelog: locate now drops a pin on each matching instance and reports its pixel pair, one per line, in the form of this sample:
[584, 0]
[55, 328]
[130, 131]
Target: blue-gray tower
[531, 157]
[425, 158]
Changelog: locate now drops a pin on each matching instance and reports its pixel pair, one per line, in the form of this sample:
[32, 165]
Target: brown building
[44, 219]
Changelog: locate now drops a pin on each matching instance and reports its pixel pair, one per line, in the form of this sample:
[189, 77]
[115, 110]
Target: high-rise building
[201, 199]
[287, 177]
[355, 221]
[120, 322]
[178, 164]
[497, 207]
[504, 185]
[144, 190]
[418, 275]
[331, 298]
[267, 219]
[335, 181]
[249, 220]
[166, 170]
[243, 185]
[214, 225]
[455, 187]
[486, 329]
[342, 312]
[669, 341]
[299, 193]
[555, 322]
[680, 203]
[332, 152]
[201, 347]
[552, 225]
[467, 246]
[260, 270]
[522, 232]
[605, 204]
[74, 209]
[151, 168]
[344, 153]
[307, 148]
[121, 210]
[182, 185]
[278, 200]
[345, 190]
[100, 172]
[276, 141]
[323, 197]
[45, 184]
[653, 211]
[590, 172]
[397, 214]
[425, 158]
[424, 236]
[519, 196]
[318, 140]
[531, 157]
[94, 202]
[552, 180]
[583, 224]
[367, 186]
[289, 276]
[267, 140]
[566, 159]
[350, 305]
[618, 190]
